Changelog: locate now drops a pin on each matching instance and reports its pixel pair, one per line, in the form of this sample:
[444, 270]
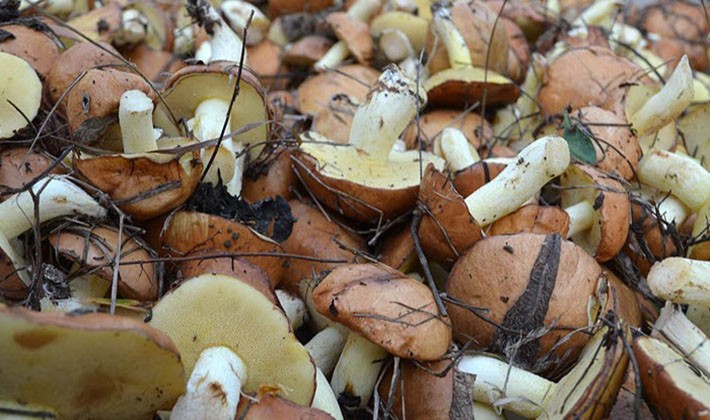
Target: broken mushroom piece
[56, 197]
[676, 330]
[142, 181]
[85, 366]
[232, 338]
[386, 312]
[20, 94]
[681, 280]
[599, 210]
[463, 83]
[366, 180]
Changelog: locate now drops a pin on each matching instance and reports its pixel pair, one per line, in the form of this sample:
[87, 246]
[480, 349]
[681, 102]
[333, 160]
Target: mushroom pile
[346, 209]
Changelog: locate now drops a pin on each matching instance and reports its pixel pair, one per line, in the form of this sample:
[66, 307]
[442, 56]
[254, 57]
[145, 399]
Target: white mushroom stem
[210, 116]
[389, 108]
[444, 28]
[134, 27]
[277, 34]
[395, 45]
[668, 103]
[361, 10]
[507, 387]
[681, 280]
[537, 164]
[675, 329]
[600, 13]
[701, 227]
[224, 43]
[581, 217]
[325, 348]
[294, 308]
[356, 373]
[682, 175]
[324, 398]
[670, 208]
[184, 40]
[56, 197]
[135, 116]
[237, 13]
[214, 387]
[456, 149]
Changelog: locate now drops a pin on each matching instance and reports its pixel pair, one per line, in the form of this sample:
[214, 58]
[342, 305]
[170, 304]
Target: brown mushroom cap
[519, 52]
[18, 166]
[397, 249]
[323, 94]
[100, 23]
[526, 282]
[313, 235]
[154, 64]
[273, 177]
[477, 175]
[455, 88]
[265, 59]
[186, 231]
[273, 407]
[386, 307]
[355, 33]
[670, 386]
[94, 249]
[307, 50]
[591, 76]
[76, 59]
[532, 218]
[87, 366]
[611, 205]
[33, 45]
[476, 129]
[647, 241]
[285, 7]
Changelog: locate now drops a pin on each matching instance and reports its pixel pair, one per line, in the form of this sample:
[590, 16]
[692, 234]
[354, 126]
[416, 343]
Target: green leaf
[580, 144]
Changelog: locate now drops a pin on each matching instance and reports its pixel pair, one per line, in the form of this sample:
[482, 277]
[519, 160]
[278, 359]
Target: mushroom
[386, 312]
[681, 280]
[20, 94]
[231, 337]
[85, 366]
[701, 232]
[20, 166]
[56, 197]
[33, 43]
[676, 330]
[269, 406]
[270, 177]
[431, 126]
[366, 180]
[463, 83]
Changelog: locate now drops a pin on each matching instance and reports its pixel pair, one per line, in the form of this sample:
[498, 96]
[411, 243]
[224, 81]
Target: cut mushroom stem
[670, 208]
[355, 375]
[389, 108]
[361, 10]
[679, 332]
[214, 387]
[668, 103]
[294, 308]
[496, 379]
[682, 175]
[537, 164]
[325, 348]
[681, 280]
[134, 28]
[444, 28]
[135, 115]
[581, 217]
[456, 149]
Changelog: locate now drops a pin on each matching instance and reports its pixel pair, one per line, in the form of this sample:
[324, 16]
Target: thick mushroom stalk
[214, 387]
[668, 103]
[134, 27]
[456, 150]
[135, 116]
[325, 399]
[682, 175]
[325, 348]
[444, 28]
[681, 280]
[357, 369]
[225, 45]
[389, 108]
[581, 217]
[537, 164]
[362, 10]
[679, 332]
[238, 13]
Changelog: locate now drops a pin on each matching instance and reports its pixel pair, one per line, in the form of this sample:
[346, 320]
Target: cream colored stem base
[356, 373]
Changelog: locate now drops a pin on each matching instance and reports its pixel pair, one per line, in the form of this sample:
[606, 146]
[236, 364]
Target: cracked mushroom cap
[612, 209]
[34, 44]
[355, 33]
[20, 94]
[526, 282]
[93, 249]
[386, 307]
[87, 366]
[218, 310]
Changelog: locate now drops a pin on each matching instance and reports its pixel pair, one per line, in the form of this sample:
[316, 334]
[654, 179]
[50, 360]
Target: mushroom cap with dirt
[86, 366]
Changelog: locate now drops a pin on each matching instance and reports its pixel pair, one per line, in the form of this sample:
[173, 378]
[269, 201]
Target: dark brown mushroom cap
[271, 178]
[456, 88]
[18, 166]
[468, 180]
[388, 308]
[141, 186]
[285, 7]
[532, 218]
[92, 104]
[611, 206]
[315, 236]
[94, 249]
[397, 249]
[38, 48]
[526, 282]
[73, 61]
[590, 76]
[647, 241]
[447, 229]
[476, 129]
[307, 50]
[273, 407]
[418, 393]
[186, 231]
[670, 386]
[355, 33]
[88, 365]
